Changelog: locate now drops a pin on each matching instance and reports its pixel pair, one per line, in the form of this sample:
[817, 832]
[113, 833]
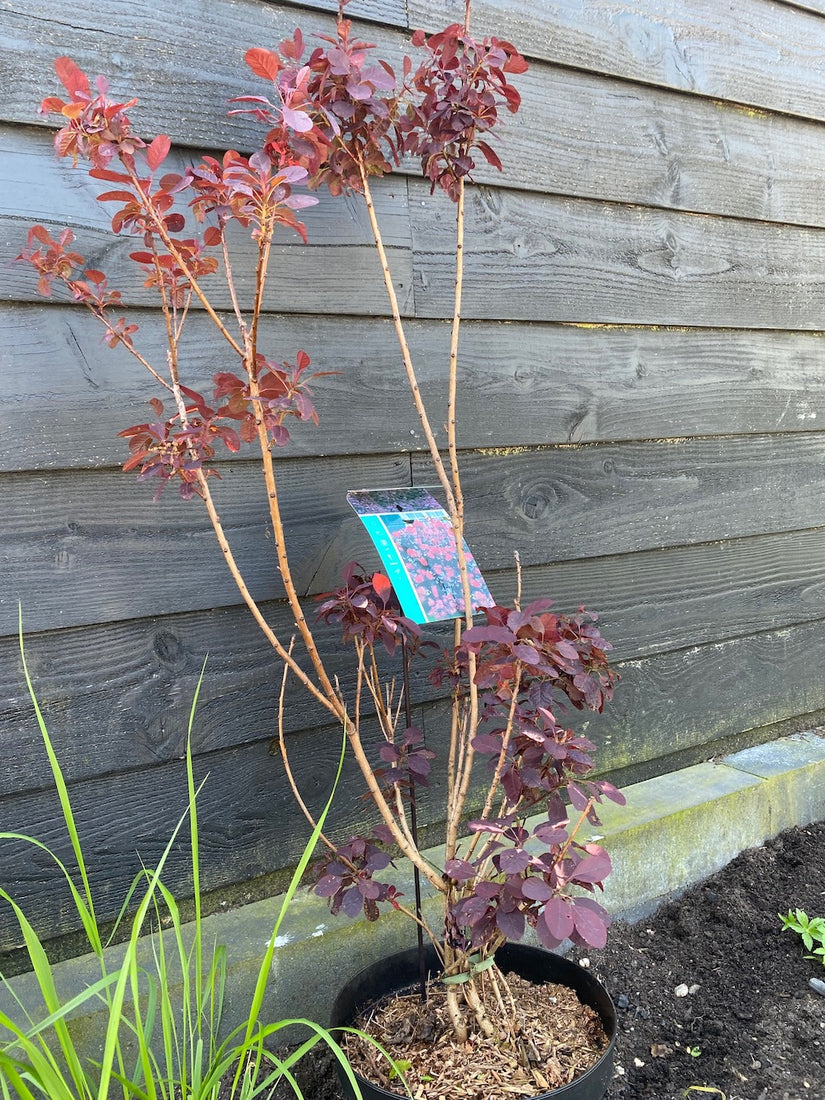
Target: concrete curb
[675, 830]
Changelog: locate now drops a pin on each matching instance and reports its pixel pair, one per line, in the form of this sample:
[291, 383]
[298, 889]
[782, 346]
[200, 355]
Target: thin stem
[230, 283]
[169, 244]
[288, 767]
[332, 702]
[502, 756]
[455, 328]
[406, 355]
[410, 851]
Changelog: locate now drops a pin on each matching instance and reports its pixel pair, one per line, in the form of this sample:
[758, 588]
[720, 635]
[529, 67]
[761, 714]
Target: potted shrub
[337, 118]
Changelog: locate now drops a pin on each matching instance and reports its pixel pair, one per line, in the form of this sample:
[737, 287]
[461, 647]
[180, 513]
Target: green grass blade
[264, 971]
[65, 805]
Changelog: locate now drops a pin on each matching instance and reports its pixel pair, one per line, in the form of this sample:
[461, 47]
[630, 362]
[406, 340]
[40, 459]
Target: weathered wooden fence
[642, 407]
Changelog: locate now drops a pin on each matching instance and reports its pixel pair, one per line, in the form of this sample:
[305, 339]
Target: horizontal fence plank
[173, 67]
[96, 548]
[132, 682]
[553, 259]
[65, 396]
[807, 5]
[756, 51]
[557, 504]
[642, 145]
[693, 697]
[337, 271]
[653, 147]
[76, 544]
[683, 700]
[656, 601]
[381, 11]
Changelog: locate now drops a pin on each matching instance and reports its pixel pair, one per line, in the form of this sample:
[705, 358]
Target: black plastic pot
[400, 971]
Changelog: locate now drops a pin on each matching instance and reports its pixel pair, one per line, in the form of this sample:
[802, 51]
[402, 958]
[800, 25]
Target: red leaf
[175, 223]
[212, 235]
[108, 174]
[116, 196]
[490, 155]
[515, 62]
[263, 63]
[51, 103]
[158, 151]
[72, 78]
[382, 586]
[293, 47]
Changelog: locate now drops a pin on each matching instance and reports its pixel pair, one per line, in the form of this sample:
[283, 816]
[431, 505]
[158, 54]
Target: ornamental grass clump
[160, 1010]
[335, 117]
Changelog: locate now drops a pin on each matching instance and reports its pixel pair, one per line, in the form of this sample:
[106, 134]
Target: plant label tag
[414, 539]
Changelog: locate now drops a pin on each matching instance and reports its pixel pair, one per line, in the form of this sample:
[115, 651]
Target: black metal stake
[422, 970]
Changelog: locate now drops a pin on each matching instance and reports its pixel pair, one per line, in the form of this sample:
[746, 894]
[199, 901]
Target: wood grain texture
[657, 601]
[381, 11]
[337, 271]
[77, 545]
[694, 697]
[520, 384]
[807, 5]
[552, 259]
[248, 822]
[118, 696]
[641, 144]
[560, 503]
[652, 147]
[97, 549]
[755, 51]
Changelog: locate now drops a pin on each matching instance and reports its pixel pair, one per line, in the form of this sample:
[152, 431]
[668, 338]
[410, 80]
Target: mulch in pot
[752, 1028]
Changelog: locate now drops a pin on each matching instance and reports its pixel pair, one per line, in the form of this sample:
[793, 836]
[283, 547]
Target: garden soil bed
[752, 1027]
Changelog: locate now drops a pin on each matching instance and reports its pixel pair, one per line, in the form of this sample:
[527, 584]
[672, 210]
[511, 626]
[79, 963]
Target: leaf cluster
[810, 929]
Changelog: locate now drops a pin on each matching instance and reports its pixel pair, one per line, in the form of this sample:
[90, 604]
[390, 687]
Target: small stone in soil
[818, 985]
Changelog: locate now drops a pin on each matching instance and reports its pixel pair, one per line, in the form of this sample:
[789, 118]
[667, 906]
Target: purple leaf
[459, 869]
[487, 743]
[478, 634]
[298, 120]
[352, 903]
[488, 890]
[593, 868]
[591, 922]
[578, 798]
[558, 917]
[327, 886]
[510, 923]
[536, 889]
[611, 792]
[512, 861]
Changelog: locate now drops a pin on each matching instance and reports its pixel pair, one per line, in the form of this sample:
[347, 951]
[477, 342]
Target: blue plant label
[414, 539]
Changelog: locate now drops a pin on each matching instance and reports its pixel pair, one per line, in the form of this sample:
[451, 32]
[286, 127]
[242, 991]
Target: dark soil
[755, 1027]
